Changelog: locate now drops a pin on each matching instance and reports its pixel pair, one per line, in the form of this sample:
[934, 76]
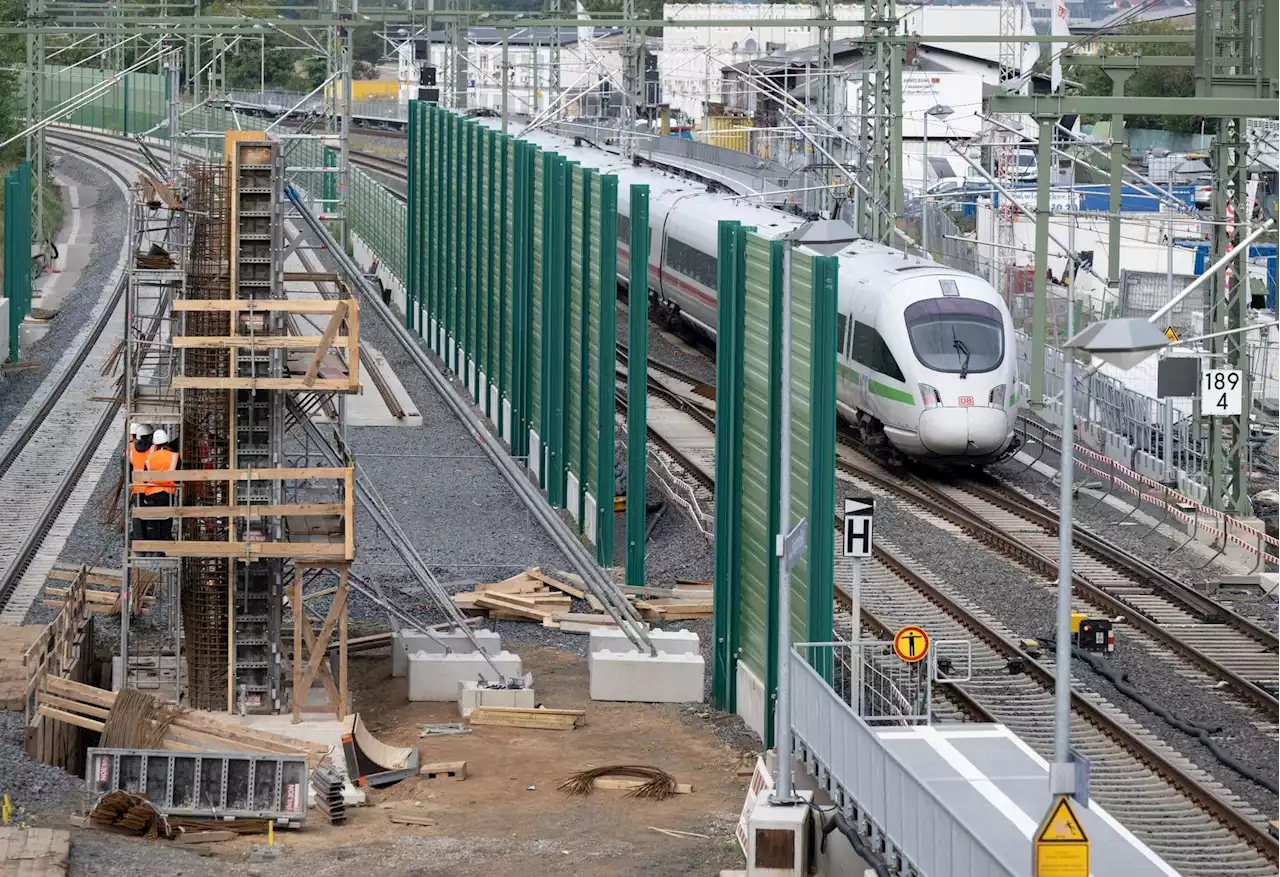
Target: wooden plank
[580, 627]
[256, 342]
[281, 474]
[517, 584]
[509, 604]
[244, 550]
[204, 837]
[558, 585]
[326, 341]
[454, 770]
[63, 703]
[410, 817]
[71, 719]
[157, 513]
[629, 784]
[539, 723]
[537, 711]
[285, 305]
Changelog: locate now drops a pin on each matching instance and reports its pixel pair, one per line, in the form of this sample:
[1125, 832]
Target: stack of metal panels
[328, 784]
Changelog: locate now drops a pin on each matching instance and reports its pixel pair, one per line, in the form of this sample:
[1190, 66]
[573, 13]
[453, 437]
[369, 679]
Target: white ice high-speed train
[926, 353]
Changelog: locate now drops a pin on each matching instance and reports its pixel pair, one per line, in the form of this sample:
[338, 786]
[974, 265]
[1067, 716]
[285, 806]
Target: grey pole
[506, 75]
[1062, 778]
[782, 719]
[855, 657]
[924, 207]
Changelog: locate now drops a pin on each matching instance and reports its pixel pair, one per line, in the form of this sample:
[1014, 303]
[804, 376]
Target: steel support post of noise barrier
[637, 382]
[565, 540]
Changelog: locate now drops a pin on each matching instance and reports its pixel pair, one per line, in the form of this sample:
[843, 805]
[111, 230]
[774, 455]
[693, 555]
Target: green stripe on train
[893, 394]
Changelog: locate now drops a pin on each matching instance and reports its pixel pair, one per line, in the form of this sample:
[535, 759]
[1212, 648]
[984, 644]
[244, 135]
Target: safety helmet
[140, 429]
[159, 437]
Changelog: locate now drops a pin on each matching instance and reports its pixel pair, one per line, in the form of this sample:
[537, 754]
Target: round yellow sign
[911, 644]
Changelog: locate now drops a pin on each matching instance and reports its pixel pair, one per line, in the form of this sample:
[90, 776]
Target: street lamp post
[1123, 343]
[940, 111]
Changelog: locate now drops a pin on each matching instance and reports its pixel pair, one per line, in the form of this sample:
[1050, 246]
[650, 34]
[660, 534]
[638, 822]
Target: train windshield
[956, 335]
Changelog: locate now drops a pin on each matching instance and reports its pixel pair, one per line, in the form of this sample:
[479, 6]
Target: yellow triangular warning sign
[1171, 335]
[1062, 826]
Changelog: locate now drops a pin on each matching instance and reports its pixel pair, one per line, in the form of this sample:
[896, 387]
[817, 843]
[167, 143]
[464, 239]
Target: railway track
[1141, 780]
[1180, 811]
[71, 413]
[1213, 647]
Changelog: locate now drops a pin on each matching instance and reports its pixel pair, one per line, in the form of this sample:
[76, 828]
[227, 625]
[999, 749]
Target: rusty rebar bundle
[659, 786]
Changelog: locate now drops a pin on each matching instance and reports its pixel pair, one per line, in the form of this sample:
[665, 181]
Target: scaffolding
[233, 362]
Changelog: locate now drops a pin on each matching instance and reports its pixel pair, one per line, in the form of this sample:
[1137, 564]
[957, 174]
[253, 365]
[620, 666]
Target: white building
[587, 56]
[691, 58]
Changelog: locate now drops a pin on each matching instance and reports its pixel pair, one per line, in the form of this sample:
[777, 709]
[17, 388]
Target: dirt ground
[508, 817]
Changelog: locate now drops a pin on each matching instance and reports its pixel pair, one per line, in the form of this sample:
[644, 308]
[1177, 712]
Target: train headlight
[997, 397]
[930, 397]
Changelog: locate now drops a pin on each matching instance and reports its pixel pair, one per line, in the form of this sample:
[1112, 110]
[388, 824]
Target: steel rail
[40, 527]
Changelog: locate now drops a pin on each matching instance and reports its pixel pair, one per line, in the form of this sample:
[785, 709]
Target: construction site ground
[507, 818]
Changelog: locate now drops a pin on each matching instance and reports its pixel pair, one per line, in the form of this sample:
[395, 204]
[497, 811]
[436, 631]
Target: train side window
[691, 262]
[870, 350]
[842, 333]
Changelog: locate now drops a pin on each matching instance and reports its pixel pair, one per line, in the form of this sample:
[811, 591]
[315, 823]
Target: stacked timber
[103, 592]
[179, 730]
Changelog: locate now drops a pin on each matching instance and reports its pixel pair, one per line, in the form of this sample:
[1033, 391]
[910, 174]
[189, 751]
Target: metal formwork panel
[215, 784]
[758, 508]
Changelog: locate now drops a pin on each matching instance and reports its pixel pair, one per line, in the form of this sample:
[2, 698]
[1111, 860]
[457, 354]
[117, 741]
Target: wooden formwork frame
[317, 645]
[63, 651]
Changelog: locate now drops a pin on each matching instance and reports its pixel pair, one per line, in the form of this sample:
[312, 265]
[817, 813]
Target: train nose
[963, 432]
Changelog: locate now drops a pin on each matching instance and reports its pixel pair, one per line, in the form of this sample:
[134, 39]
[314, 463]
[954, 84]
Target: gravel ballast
[1013, 596]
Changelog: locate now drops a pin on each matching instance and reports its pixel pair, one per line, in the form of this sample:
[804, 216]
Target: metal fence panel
[536, 299]
[575, 378]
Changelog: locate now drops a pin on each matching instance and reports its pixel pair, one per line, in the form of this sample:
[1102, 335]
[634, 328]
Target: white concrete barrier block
[671, 642]
[436, 677]
[472, 696]
[631, 676]
[407, 642]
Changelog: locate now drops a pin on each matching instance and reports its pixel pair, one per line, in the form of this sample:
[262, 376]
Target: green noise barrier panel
[509, 282]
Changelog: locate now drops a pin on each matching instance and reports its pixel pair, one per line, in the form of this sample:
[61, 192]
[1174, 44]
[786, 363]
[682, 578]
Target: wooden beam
[286, 305]
[286, 384]
[326, 341]
[627, 784]
[158, 513]
[336, 609]
[311, 276]
[72, 719]
[244, 550]
[281, 474]
[287, 342]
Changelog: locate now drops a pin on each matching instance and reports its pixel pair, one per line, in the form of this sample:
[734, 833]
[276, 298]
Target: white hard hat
[159, 437]
[139, 429]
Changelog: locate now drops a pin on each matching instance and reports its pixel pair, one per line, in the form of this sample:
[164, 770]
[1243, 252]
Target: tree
[1147, 81]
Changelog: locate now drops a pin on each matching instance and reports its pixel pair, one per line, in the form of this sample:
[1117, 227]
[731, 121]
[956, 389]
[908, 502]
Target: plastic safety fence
[508, 282]
[130, 103]
[751, 274]
[220, 784]
[17, 250]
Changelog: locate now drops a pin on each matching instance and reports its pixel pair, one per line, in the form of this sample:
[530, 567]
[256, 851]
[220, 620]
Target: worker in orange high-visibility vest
[135, 460]
[161, 493]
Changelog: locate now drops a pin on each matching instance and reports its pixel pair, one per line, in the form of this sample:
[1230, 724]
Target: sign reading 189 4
[1222, 392]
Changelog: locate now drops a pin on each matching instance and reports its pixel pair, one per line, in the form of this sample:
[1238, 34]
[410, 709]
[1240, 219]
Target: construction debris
[638, 780]
[538, 719]
[451, 770]
[675, 832]
[442, 730]
[410, 817]
[103, 593]
[182, 730]
[535, 596]
[133, 814]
